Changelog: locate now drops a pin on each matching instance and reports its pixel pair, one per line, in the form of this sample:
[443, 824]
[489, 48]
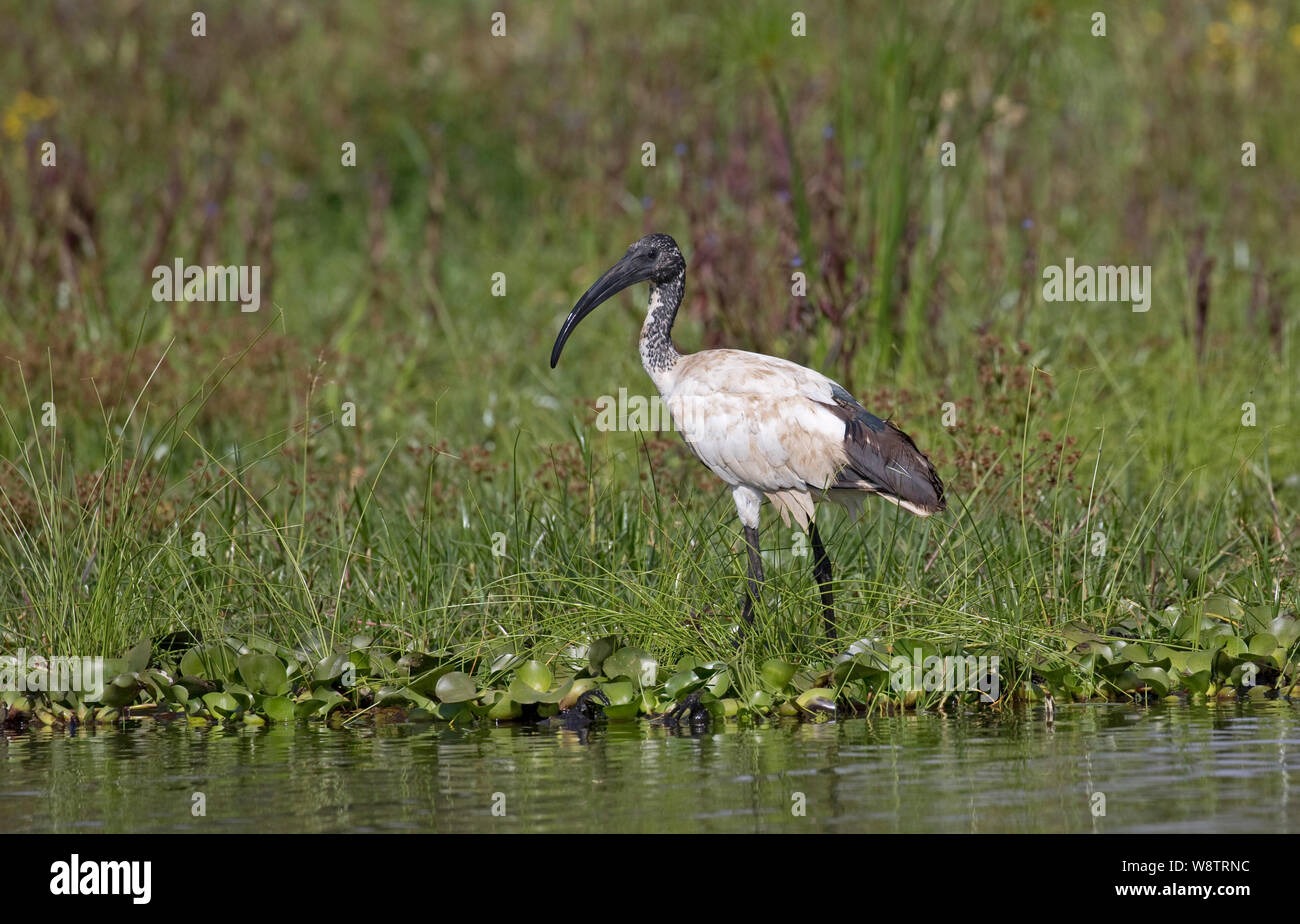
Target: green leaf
[264, 673]
[776, 674]
[536, 675]
[1156, 680]
[221, 704]
[279, 708]
[211, 661]
[330, 668]
[121, 692]
[816, 699]
[600, 649]
[633, 663]
[137, 658]
[619, 693]
[455, 687]
[682, 683]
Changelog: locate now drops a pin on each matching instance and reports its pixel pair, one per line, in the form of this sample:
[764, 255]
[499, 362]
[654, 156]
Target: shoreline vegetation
[370, 497]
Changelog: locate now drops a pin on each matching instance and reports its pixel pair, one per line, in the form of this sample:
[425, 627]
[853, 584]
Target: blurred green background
[775, 153]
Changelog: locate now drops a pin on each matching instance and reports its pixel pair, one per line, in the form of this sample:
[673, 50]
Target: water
[1215, 768]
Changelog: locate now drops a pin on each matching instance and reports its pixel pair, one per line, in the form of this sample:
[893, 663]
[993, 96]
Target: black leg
[755, 577]
[822, 572]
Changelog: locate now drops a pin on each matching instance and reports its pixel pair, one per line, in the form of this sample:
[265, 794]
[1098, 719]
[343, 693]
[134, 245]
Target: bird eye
[653, 254]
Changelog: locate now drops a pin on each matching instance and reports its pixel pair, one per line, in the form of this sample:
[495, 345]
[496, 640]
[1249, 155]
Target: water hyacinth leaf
[578, 687]
[264, 673]
[121, 692]
[536, 675]
[221, 704]
[760, 700]
[308, 707]
[504, 709]
[600, 649]
[211, 661]
[635, 664]
[682, 684]
[279, 708]
[804, 680]
[1259, 618]
[1286, 629]
[816, 699]
[505, 661]
[618, 693]
[455, 687]
[1197, 661]
[1198, 682]
[330, 668]
[427, 681]
[1223, 608]
[452, 712]
[621, 712]
[1156, 680]
[776, 674]
[1262, 643]
[719, 683]
[137, 659]
[178, 694]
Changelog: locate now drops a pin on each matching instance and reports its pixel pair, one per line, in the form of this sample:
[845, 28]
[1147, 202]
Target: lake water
[1214, 768]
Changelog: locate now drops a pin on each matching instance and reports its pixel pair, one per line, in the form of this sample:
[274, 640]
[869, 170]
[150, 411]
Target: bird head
[655, 258]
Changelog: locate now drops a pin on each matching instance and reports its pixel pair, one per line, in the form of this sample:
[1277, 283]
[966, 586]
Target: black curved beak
[626, 272]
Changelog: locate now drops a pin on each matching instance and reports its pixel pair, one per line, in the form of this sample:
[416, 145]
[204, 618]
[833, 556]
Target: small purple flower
[647, 201]
[1027, 223]
[829, 131]
[680, 149]
[796, 261]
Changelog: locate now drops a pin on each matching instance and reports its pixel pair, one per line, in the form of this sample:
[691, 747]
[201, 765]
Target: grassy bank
[378, 469]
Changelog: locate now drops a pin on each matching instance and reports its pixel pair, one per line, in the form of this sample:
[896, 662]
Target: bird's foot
[695, 712]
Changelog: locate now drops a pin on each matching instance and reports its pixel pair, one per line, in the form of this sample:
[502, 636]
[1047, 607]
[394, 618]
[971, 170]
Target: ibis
[767, 427]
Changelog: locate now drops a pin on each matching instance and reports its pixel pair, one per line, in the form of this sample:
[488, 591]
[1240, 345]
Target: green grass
[1075, 423]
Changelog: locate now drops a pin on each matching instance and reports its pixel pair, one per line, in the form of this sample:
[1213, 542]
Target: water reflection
[1192, 769]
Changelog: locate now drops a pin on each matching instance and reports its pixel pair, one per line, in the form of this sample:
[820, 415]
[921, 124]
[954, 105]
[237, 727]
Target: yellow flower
[26, 108]
[1217, 33]
[1294, 35]
[1242, 13]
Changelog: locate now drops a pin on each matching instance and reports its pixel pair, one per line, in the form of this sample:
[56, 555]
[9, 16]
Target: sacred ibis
[766, 426]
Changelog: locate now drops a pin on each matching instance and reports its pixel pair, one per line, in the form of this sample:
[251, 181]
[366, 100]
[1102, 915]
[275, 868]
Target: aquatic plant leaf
[1197, 682]
[308, 707]
[682, 683]
[816, 699]
[121, 692]
[279, 708]
[137, 659]
[637, 665]
[221, 704]
[776, 674]
[264, 673]
[536, 675]
[600, 649]
[211, 661]
[619, 692]
[1156, 680]
[580, 685]
[330, 668]
[621, 712]
[455, 687]
[1286, 629]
